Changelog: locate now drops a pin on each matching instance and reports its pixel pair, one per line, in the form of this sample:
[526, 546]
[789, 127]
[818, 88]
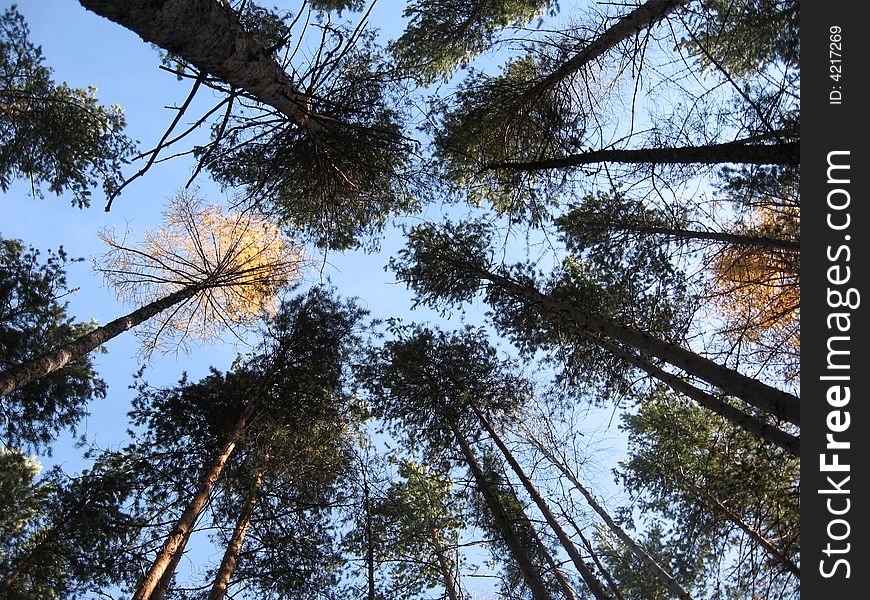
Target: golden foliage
[236, 263]
[757, 290]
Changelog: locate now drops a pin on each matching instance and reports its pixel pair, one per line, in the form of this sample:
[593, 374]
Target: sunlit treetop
[235, 264]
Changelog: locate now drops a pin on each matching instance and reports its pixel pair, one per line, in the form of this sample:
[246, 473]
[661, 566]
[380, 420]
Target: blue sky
[84, 50]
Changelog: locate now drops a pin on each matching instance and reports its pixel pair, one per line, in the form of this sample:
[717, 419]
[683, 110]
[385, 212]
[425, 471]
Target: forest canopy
[588, 214]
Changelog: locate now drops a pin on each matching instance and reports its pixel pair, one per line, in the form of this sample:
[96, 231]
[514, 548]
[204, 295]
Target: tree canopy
[595, 209]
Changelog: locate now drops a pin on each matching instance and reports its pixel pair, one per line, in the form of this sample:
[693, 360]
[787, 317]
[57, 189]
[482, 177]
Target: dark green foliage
[53, 134]
[635, 286]
[424, 379]
[745, 36]
[300, 435]
[337, 5]
[441, 36]
[34, 320]
[340, 177]
[684, 466]
[636, 582]
[418, 519]
[494, 119]
[75, 536]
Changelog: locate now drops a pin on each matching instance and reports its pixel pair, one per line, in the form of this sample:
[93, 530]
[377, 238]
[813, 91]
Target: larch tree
[202, 272]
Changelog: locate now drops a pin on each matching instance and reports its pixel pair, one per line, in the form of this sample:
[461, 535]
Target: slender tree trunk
[788, 442]
[567, 590]
[586, 573]
[234, 547]
[173, 547]
[760, 395]
[21, 375]
[730, 239]
[642, 17]
[208, 35]
[370, 544]
[752, 532]
[608, 577]
[444, 565]
[531, 575]
[664, 576]
[785, 153]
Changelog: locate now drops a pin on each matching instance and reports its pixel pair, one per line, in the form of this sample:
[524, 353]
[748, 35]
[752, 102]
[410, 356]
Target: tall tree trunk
[173, 547]
[208, 35]
[444, 565]
[370, 544]
[649, 562]
[586, 573]
[567, 590]
[786, 153]
[234, 547]
[608, 576]
[530, 573]
[760, 395]
[788, 442]
[642, 17]
[757, 536]
[22, 374]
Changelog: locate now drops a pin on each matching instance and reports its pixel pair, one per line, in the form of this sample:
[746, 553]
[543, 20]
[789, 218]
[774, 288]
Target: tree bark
[642, 17]
[665, 577]
[531, 575]
[173, 547]
[769, 433]
[567, 590]
[21, 375]
[786, 153]
[444, 565]
[586, 573]
[752, 532]
[234, 547]
[760, 395]
[208, 35]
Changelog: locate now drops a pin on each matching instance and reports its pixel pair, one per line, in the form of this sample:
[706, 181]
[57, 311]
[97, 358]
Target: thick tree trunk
[760, 395]
[234, 546]
[642, 17]
[208, 35]
[530, 573]
[586, 573]
[769, 433]
[173, 547]
[21, 375]
[787, 153]
[665, 577]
